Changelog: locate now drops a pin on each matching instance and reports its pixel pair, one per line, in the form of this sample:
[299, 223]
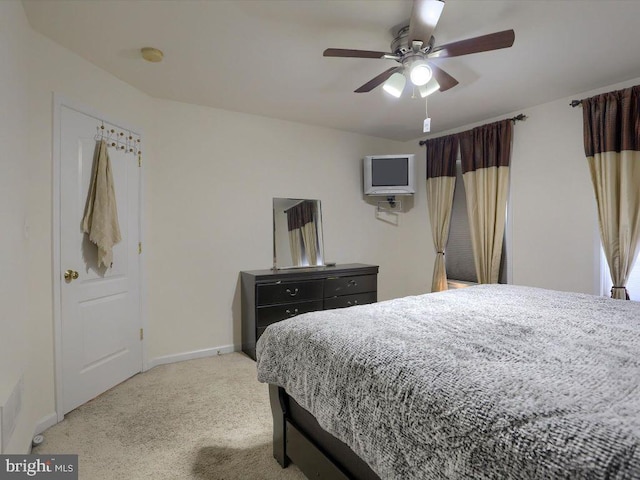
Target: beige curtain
[612, 146]
[303, 233]
[310, 241]
[295, 244]
[485, 153]
[441, 182]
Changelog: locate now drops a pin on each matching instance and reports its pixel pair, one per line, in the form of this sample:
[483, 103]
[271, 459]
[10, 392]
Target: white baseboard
[45, 422]
[180, 357]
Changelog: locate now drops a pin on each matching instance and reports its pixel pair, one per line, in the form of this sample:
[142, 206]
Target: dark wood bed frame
[299, 439]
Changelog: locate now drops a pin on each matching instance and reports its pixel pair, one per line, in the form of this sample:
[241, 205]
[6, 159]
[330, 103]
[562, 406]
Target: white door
[100, 320]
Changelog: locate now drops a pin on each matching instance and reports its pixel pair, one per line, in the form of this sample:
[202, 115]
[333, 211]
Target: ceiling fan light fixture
[395, 84]
[420, 73]
[432, 86]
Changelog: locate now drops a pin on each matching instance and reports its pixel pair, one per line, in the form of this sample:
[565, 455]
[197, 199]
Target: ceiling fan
[413, 47]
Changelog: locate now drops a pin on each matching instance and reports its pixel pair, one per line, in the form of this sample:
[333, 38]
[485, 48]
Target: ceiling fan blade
[424, 18]
[445, 80]
[485, 43]
[374, 82]
[345, 52]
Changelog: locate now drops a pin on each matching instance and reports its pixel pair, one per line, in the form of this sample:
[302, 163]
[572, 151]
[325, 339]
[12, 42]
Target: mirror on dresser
[297, 233]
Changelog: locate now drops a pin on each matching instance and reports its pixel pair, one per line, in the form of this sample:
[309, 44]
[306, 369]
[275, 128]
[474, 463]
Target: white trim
[144, 297]
[603, 277]
[45, 422]
[603, 273]
[181, 357]
[59, 101]
[508, 228]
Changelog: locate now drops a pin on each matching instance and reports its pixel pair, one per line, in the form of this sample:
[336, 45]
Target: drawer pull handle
[352, 283]
[292, 314]
[355, 302]
[292, 294]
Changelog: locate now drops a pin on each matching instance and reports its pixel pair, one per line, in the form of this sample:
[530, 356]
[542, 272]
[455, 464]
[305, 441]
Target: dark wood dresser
[269, 296]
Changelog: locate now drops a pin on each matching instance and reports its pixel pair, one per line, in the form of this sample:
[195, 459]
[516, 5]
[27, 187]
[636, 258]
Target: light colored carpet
[205, 419]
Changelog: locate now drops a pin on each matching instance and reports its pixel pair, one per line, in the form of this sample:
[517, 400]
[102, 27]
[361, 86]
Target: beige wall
[14, 173]
[32, 69]
[209, 215]
[554, 223]
[210, 176]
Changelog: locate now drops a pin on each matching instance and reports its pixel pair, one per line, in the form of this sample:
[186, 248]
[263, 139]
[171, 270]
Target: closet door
[100, 324]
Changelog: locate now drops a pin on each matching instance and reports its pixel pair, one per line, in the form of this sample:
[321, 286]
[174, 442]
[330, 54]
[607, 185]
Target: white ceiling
[265, 56]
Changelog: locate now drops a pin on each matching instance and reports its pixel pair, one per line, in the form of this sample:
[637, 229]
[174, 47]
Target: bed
[487, 382]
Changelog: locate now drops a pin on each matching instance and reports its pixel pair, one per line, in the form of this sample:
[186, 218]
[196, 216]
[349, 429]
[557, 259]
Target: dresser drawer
[287, 292]
[350, 300]
[275, 313]
[334, 286]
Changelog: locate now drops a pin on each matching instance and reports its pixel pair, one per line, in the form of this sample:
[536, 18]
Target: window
[633, 283]
[459, 252]
[459, 262]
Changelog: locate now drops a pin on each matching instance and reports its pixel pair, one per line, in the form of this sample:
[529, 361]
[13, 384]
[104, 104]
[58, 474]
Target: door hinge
[139, 160]
[141, 334]
[139, 248]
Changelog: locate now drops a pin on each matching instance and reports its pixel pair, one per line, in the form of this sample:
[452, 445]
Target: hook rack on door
[119, 139]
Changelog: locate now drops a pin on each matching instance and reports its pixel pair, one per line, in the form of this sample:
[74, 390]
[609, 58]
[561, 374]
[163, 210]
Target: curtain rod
[517, 118]
[575, 103]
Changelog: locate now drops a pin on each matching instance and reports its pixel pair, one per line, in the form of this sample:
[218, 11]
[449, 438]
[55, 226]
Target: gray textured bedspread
[492, 381]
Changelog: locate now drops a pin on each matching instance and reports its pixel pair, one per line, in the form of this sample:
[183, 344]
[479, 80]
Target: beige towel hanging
[101, 213]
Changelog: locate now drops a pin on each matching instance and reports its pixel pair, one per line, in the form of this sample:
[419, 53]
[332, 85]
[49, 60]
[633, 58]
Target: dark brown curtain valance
[612, 121]
[486, 146]
[441, 156]
[299, 215]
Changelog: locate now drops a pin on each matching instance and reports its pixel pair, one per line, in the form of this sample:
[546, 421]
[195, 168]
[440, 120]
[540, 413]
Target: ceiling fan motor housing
[400, 44]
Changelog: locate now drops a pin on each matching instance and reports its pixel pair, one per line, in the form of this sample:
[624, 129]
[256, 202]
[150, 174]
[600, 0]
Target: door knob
[70, 275]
